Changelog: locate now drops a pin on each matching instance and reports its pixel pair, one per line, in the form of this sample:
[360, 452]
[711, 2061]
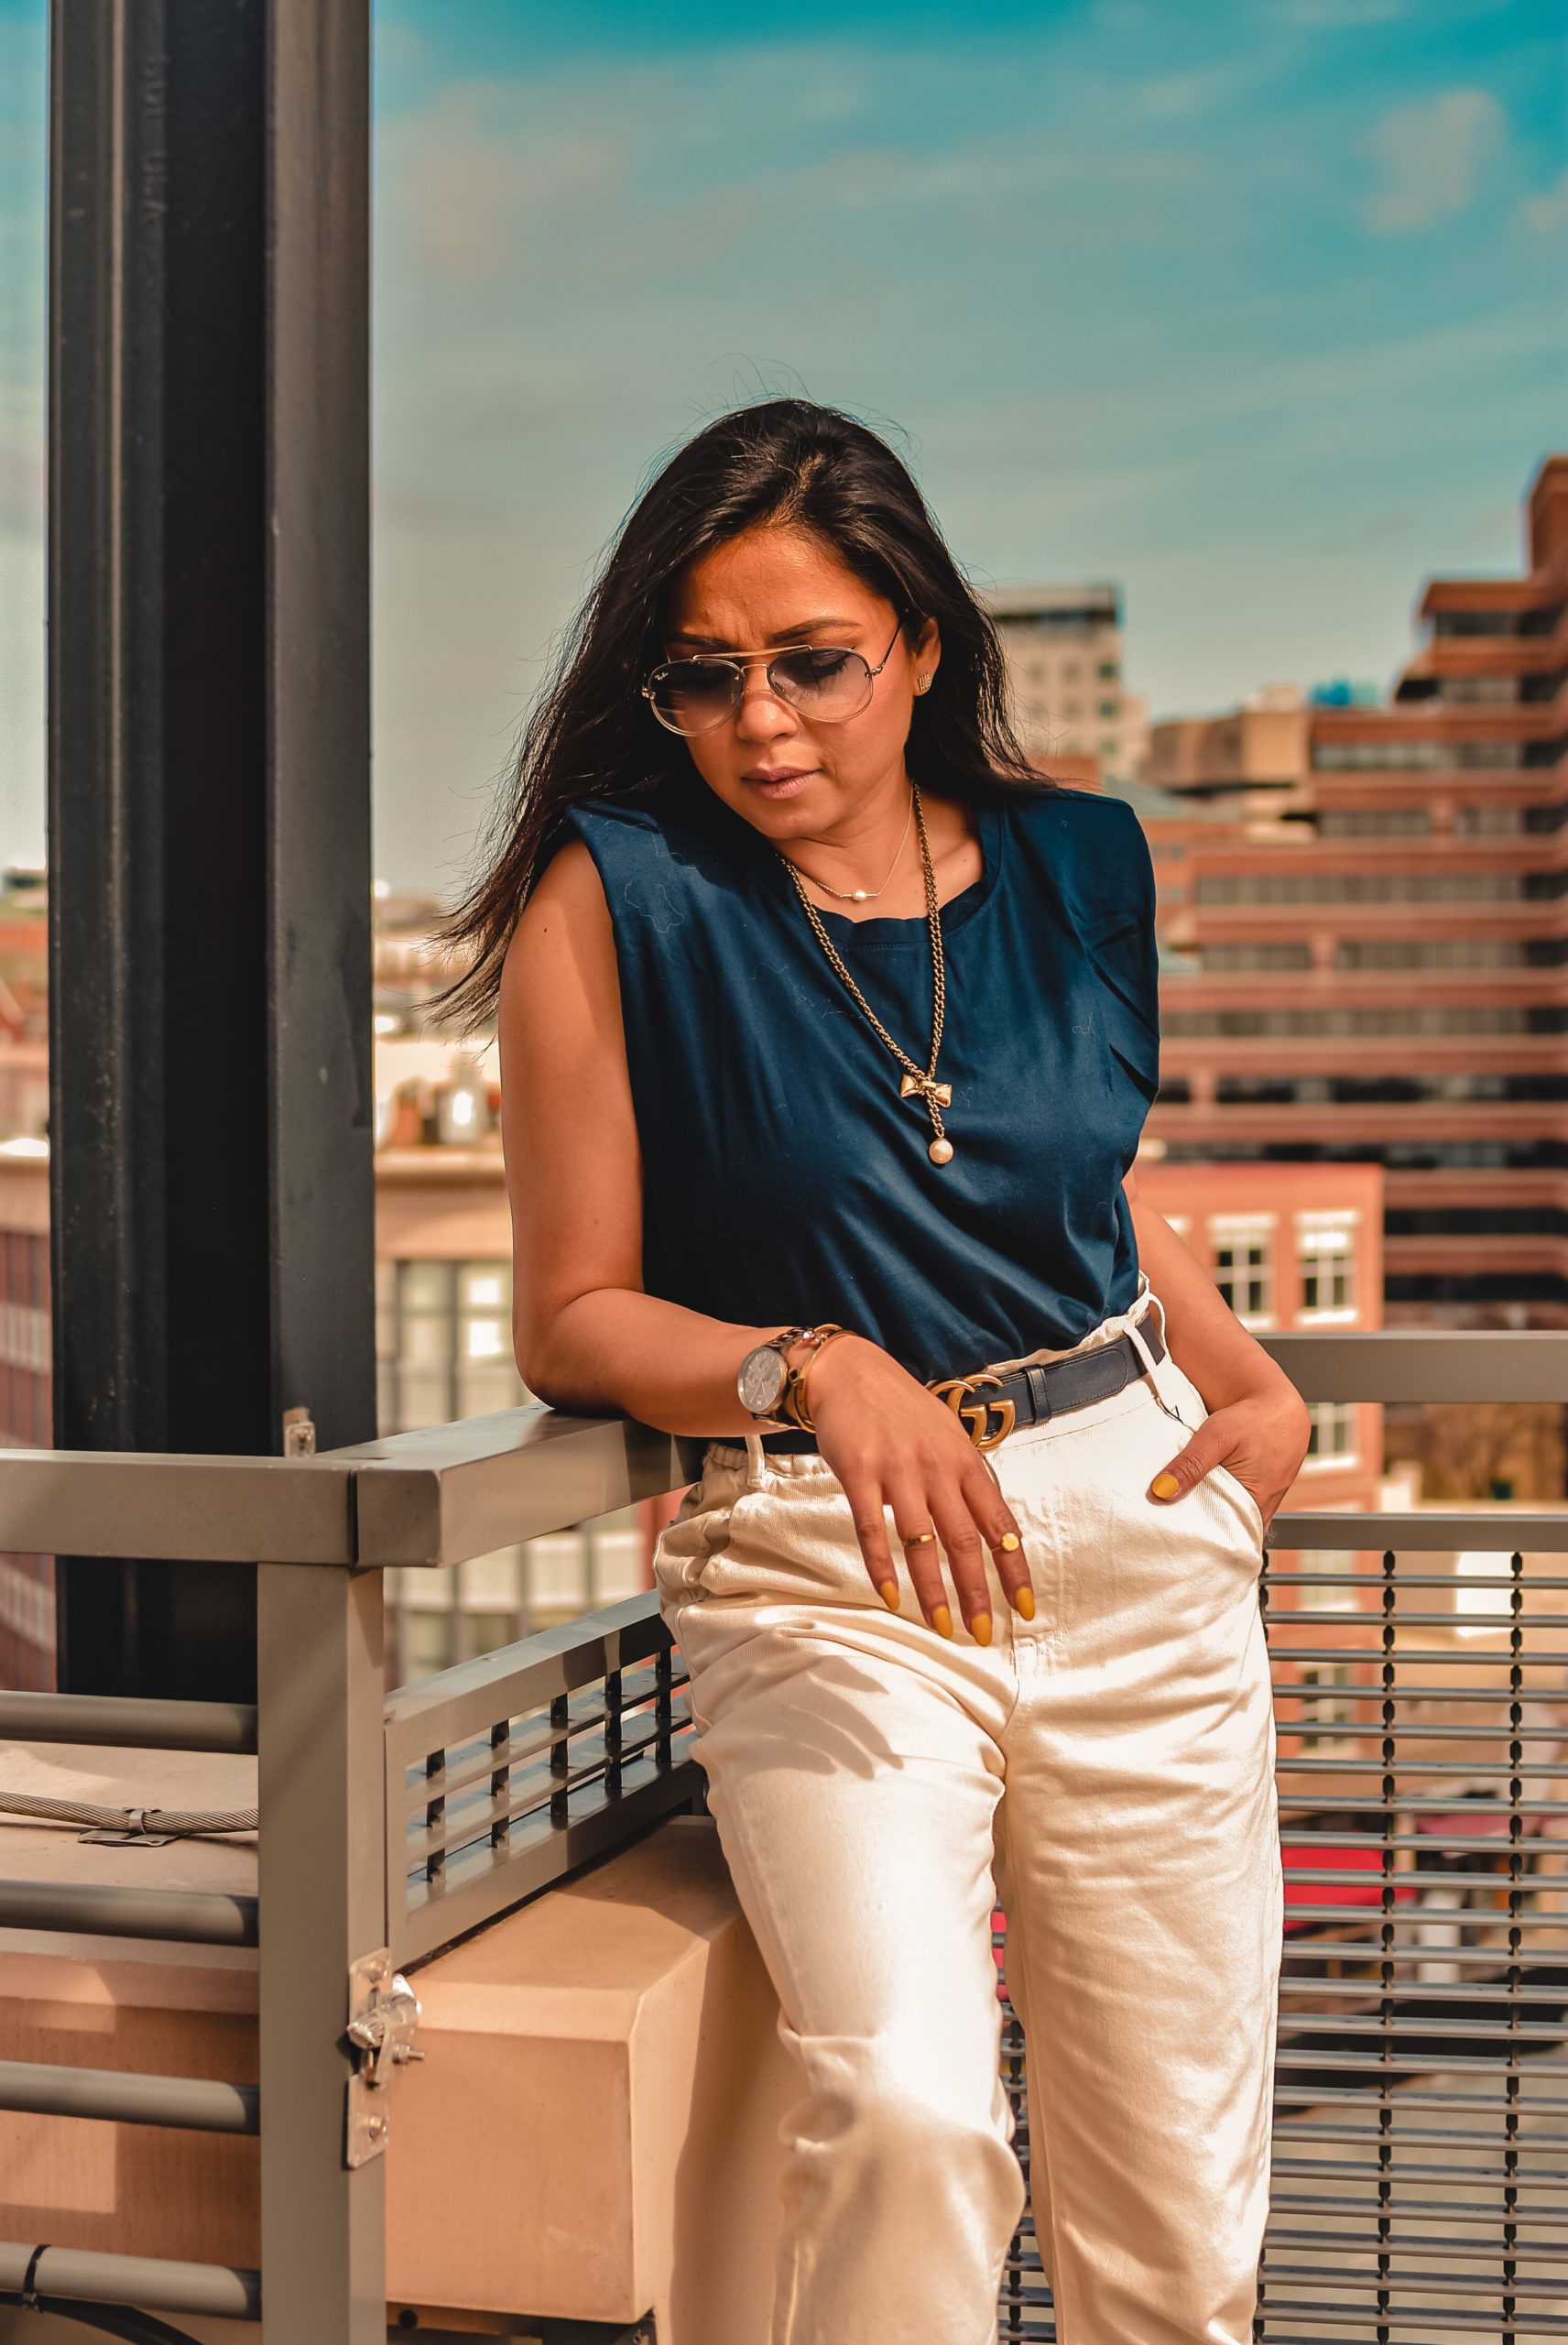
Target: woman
[819, 1011]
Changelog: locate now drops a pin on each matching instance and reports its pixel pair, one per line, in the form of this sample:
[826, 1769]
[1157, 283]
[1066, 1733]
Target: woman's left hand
[1261, 1438]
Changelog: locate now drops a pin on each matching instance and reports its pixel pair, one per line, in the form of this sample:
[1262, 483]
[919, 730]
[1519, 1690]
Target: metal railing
[1419, 2146]
[566, 1775]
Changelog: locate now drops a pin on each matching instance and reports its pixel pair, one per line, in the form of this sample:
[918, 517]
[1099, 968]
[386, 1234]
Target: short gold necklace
[912, 1084]
[870, 895]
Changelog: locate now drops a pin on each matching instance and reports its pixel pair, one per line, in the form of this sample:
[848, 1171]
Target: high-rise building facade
[1371, 964]
[1063, 649]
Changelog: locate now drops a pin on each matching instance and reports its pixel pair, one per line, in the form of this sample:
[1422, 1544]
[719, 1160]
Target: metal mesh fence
[1420, 2144]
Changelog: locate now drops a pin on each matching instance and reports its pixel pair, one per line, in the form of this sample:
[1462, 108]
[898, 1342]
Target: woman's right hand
[894, 1445]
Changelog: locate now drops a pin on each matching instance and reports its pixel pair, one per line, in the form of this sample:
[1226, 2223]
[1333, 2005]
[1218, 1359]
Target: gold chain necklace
[870, 895]
[913, 1084]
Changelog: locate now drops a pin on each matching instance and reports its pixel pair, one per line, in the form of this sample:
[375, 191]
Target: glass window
[1332, 1437]
[1484, 1611]
[1326, 1257]
[1325, 1702]
[425, 1286]
[1332, 1562]
[484, 1286]
[1244, 1270]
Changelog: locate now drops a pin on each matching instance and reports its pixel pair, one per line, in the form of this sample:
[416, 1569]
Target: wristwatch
[765, 1373]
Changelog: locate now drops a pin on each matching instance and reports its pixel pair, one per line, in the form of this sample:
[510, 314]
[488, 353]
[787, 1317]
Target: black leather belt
[994, 1406]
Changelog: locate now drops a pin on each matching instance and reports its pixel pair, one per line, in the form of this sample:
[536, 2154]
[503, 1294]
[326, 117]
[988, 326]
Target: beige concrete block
[615, 2048]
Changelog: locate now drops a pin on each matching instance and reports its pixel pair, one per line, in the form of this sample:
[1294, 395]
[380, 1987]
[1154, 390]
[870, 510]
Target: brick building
[1370, 962]
[1292, 1246]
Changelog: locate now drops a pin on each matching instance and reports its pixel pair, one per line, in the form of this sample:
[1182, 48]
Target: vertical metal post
[323, 1904]
[211, 1114]
[320, 1086]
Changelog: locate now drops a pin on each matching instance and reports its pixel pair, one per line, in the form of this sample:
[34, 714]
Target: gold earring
[920, 683]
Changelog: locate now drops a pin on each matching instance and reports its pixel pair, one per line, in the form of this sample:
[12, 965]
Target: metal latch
[383, 2013]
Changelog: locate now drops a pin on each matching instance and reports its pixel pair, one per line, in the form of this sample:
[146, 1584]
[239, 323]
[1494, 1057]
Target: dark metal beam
[209, 790]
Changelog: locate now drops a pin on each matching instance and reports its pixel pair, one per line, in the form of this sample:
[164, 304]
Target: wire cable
[177, 1822]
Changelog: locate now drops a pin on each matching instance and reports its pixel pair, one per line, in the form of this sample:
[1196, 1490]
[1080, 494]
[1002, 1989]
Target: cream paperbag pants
[1108, 1767]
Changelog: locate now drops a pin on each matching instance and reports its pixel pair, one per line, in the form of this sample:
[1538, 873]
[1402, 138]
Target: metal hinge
[383, 2013]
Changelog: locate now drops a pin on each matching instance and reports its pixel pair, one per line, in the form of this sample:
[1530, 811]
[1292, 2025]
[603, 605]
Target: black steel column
[211, 1080]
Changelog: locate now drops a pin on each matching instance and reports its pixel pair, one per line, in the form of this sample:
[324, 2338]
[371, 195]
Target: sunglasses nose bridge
[755, 688]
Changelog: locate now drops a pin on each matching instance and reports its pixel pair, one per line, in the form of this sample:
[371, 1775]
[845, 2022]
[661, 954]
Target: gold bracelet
[796, 1396]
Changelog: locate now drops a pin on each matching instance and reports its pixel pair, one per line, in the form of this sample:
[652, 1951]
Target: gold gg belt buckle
[956, 1389]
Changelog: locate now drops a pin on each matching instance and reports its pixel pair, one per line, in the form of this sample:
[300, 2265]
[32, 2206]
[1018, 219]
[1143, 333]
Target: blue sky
[1255, 306]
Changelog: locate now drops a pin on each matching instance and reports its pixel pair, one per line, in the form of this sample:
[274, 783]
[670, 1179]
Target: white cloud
[1548, 212]
[1432, 156]
[463, 172]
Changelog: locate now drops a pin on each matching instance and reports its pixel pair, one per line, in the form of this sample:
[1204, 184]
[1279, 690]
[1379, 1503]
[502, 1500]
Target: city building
[1063, 650]
[1371, 964]
[27, 1582]
[23, 1004]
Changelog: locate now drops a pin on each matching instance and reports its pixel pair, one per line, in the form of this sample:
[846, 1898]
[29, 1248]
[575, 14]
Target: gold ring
[917, 1538]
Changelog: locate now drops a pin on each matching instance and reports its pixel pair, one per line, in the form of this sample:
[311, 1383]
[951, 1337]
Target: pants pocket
[688, 1546]
[1247, 1505]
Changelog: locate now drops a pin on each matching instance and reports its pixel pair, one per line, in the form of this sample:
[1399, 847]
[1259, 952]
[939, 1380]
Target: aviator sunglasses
[826, 686]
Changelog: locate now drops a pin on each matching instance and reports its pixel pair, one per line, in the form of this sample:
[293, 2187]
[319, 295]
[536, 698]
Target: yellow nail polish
[889, 1592]
[1010, 1542]
[941, 1620]
[1023, 1603]
[980, 1628]
[1166, 1485]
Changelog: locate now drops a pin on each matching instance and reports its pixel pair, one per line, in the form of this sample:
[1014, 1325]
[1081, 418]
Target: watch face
[761, 1382]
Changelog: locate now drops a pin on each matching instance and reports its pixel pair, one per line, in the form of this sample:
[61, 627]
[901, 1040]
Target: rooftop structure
[1260, 746]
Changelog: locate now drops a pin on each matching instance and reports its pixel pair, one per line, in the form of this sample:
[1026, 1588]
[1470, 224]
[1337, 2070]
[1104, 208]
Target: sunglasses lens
[693, 695]
[828, 685]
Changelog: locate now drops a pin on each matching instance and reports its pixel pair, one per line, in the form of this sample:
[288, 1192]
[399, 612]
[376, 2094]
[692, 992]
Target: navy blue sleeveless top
[785, 1181]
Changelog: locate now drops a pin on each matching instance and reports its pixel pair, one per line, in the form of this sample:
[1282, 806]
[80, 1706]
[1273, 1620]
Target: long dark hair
[594, 735]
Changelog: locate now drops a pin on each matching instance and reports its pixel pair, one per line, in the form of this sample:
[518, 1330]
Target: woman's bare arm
[587, 1337]
[1258, 1423]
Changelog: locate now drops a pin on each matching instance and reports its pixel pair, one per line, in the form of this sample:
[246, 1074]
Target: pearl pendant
[859, 895]
[940, 1151]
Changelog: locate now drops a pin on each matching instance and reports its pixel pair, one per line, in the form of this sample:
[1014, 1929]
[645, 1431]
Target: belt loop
[1039, 1396]
[1140, 1343]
